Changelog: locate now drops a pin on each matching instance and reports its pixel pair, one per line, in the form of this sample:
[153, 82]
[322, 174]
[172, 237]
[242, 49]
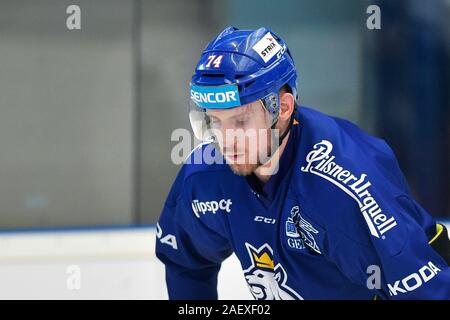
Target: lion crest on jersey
[266, 280]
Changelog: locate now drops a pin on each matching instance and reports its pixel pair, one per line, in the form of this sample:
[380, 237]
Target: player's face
[243, 135]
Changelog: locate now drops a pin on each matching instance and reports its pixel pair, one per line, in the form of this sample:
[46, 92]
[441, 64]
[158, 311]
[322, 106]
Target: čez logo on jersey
[294, 240]
[300, 232]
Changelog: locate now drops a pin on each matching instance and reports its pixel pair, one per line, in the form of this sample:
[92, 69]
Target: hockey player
[314, 208]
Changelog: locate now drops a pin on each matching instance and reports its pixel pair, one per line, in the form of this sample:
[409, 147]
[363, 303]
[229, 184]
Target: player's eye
[214, 122]
[240, 123]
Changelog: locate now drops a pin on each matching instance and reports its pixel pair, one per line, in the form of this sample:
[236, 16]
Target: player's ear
[286, 105]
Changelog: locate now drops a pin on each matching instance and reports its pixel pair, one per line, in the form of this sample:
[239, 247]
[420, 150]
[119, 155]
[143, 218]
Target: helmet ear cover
[272, 103]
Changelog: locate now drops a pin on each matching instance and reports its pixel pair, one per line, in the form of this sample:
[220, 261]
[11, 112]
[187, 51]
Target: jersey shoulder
[348, 179]
[338, 147]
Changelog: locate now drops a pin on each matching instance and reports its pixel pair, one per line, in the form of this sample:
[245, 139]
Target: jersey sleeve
[400, 266]
[191, 251]
[395, 256]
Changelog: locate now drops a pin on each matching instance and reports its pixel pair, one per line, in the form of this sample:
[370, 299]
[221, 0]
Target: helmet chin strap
[284, 134]
[274, 147]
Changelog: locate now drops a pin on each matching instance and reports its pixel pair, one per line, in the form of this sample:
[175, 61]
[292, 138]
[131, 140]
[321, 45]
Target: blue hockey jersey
[337, 221]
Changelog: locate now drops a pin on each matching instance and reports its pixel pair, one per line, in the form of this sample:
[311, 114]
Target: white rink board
[113, 264]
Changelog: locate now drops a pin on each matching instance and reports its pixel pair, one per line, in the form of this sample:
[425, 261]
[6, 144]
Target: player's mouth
[234, 157]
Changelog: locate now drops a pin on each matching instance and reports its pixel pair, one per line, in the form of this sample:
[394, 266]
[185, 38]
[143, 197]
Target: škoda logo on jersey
[320, 163]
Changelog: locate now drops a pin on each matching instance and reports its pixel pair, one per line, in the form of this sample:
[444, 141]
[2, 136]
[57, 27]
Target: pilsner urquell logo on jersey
[320, 163]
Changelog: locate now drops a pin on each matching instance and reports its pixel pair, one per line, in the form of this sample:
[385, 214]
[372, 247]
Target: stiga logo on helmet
[267, 47]
[211, 206]
[211, 97]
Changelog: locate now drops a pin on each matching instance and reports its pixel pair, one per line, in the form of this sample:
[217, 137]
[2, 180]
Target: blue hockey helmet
[240, 67]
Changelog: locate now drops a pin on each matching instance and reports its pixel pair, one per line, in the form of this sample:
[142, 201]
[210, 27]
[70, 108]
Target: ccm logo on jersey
[320, 162]
[265, 220]
[414, 280]
[211, 206]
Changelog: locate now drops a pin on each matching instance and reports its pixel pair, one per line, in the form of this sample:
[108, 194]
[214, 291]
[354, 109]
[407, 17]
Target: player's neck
[264, 172]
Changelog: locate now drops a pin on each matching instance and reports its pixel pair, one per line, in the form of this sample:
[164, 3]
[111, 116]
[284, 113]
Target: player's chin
[243, 169]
